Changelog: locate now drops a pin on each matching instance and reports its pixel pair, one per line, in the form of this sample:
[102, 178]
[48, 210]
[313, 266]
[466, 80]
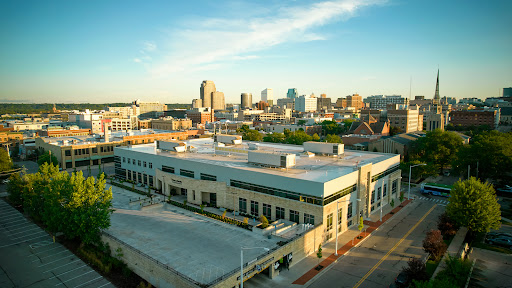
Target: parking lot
[30, 258]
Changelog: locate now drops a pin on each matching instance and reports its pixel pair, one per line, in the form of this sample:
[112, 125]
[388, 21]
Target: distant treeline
[48, 108]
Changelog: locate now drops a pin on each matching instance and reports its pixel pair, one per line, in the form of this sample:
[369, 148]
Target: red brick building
[474, 118]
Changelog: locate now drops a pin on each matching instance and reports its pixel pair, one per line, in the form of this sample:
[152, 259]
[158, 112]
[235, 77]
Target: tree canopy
[5, 161]
[252, 135]
[297, 137]
[77, 206]
[333, 139]
[45, 158]
[493, 153]
[330, 127]
[437, 148]
[473, 204]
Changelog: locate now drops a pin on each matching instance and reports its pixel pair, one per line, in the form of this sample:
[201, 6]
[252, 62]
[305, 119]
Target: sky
[101, 51]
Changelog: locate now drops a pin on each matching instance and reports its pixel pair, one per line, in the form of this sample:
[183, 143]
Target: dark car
[492, 235]
[501, 241]
[402, 280]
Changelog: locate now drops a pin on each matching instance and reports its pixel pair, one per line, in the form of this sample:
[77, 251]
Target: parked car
[492, 235]
[402, 280]
[501, 241]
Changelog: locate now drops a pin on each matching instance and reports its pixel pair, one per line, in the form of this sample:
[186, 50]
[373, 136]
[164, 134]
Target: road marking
[22, 241]
[88, 282]
[85, 265]
[38, 232]
[43, 251]
[62, 266]
[75, 278]
[394, 247]
[104, 284]
[57, 260]
[25, 231]
[51, 255]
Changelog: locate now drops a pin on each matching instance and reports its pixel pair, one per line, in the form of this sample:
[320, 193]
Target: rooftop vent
[175, 146]
[324, 148]
[271, 159]
[228, 139]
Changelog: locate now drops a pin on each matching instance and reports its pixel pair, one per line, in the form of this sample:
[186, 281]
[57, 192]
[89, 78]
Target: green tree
[15, 189]
[315, 137]
[330, 127]
[394, 130]
[298, 137]
[474, 204]
[301, 122]
[361, 224]
[45, 158]
[437, 148]
[264, 221]
[252, 135]
[319, 253]
[330, 138]
[243, 129]
[274, 137]
[5, 161]
[493, 153]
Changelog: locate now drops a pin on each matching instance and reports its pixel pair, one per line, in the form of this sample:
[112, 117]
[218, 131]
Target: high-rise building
[408, 120]
[245, 101]
[197, 103]
[323, 103]
[292, 93]
[267, 95]
[206, 90]
[381, 102]
[286, 102]
[507, 92]
[305, 104]
[437, 99]
[218, 101]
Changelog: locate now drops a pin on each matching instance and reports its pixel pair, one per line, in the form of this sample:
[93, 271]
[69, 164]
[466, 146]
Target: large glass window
[294, 216]
[394, 186]
[329, 222]
[168, 169]
[267, 211]
[349, 211]
[276, 192]
[242, 205]
[309, 219]
[254, 208]
[373, 197]
[385, 192]
[187, 173]
[280, 213]
[379, 191]
[208, 177]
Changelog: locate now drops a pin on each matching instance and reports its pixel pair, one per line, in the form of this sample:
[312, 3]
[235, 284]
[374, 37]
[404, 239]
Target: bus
[436, 189]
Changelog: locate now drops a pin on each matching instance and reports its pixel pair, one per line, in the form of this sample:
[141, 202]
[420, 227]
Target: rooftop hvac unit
[175, 146]
[228, 139]
[324, 148]
[271, 159]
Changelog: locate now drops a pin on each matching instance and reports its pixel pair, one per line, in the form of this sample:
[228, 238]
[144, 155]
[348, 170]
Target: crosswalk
[438, 201]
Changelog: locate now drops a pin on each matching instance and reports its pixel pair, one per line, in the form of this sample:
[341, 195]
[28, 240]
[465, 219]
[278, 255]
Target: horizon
[162, 51]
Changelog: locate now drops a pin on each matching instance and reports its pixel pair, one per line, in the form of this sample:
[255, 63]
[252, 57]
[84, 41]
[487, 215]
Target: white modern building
[298, 183]
[306, 103]
[267, 95]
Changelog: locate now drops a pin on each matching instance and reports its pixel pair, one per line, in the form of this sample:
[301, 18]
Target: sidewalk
[304, 271]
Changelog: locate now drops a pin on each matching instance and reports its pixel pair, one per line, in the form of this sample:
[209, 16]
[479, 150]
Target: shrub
[416, 270]
[224, 214]
[392, 203]
[434, 244]
[264, 221]
[319, 253]
[246, 220]
[446, 225]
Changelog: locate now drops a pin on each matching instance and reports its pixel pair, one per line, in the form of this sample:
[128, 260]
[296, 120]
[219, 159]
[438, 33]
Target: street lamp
[242, 262]
[338, 211]
[410, 170]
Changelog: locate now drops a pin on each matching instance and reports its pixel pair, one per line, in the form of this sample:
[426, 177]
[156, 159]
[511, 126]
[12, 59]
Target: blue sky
[117, 51]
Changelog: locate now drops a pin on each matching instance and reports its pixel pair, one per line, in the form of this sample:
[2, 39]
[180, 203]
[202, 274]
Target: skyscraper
[437, 99]
[206, 90]
[292, 93]
[245, 101]
[218, 101]
[267, 95]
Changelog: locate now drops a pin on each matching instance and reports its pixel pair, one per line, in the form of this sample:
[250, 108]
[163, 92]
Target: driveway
[492, 269]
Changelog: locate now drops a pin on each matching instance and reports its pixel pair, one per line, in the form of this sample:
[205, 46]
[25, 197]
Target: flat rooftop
[194, 245]
[95, 138]
[317, 168]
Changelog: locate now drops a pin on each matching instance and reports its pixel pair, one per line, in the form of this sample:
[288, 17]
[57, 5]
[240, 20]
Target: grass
[431, 267]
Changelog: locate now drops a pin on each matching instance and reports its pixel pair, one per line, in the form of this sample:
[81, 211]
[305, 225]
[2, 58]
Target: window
[208, 177]
[68, 152]
[279, 213]
[267, 211]
[349, 211]
[254, 208]
[294, 216]
[183, 191]
[144, 164]
[145, 179]
[385, 192]
[242, 205]
[309, 219]
[379, 191]
[373, 197]
[139, 179]
[150, 165]
[168, 169]
[329, 222]
[394, 186]
[124, 159]
[150, 180]
[139, 162]
[187, 173]
[276, 192]
[340, 217]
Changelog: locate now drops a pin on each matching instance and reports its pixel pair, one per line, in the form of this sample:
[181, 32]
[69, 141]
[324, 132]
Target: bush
[264, 221]
[319, 253]
[416, 270]
[446, 225]
[224, 214]
[434, 244]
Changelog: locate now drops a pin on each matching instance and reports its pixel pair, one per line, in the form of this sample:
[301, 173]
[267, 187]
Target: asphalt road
[381, 257]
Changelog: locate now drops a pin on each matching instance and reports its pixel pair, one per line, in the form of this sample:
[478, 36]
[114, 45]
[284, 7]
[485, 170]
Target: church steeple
[437, 99]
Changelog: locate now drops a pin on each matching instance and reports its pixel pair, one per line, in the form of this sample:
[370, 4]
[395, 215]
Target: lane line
[35, 254]
[75, 277]
[50, 255]
[22, 241]
[85, 265]
[394, 247]
[89, 281]
[61, 266]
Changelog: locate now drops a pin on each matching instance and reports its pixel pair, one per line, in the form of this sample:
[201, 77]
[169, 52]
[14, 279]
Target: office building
[286, 103]
[381, 102]
[171, 124]
[196, 103]
[323, 103]
[476, 117]
[246, 100]
[408, 120]
[292, 93]
[306, 103]
[507, 92]
[206, 90]
[267, 95]
[201, 115]
[218, 101]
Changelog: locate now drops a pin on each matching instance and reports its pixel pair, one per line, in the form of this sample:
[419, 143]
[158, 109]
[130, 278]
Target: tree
[319, 253]
[474, 204]
[243, 129]
[456, 272]
[330, 127]
[333, 139]
[5, 161]
[264, 221]
[15, 189]
[493, 153]
[274, 138]
[416, 270]
[437, 148]
[394, 130]
[298, 137]
[301, 122]
[315, 137]
[446, 225]
[434, 244]
[361, 224]
[252, 135]
[45, 158]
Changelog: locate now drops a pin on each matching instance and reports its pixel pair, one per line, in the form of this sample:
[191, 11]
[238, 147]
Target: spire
[436, 95]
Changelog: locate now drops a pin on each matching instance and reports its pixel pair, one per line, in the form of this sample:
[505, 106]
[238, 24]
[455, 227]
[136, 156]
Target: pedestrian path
[438, 201]
[372, 226]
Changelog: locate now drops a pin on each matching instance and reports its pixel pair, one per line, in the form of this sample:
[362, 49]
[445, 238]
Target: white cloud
[217, 40]
[137, 60]
[149, 46]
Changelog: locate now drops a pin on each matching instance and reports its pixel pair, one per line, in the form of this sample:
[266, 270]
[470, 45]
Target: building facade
[245, 100]
[408, 120]
[306, 103]
[267, 95]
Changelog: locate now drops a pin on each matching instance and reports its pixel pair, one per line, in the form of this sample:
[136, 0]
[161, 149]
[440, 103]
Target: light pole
[381, 199]
[242, 262]
[337, 214]
[410, 170]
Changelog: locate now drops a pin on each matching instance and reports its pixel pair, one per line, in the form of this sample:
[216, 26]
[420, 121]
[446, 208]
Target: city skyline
[101, 52]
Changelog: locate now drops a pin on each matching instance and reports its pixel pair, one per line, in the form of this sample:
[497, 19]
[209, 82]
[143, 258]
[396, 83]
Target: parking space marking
[11, 217]
[85, 265]
[103, 285]
[61, 266]
[21, 241]
[22, 226]
[51, 255]
[24, 231]
[43, 251]
[7, 226]
[57, 260]
[12, 213]
[75, 277]
[89, 282]
[41, 244]
[38, 232]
